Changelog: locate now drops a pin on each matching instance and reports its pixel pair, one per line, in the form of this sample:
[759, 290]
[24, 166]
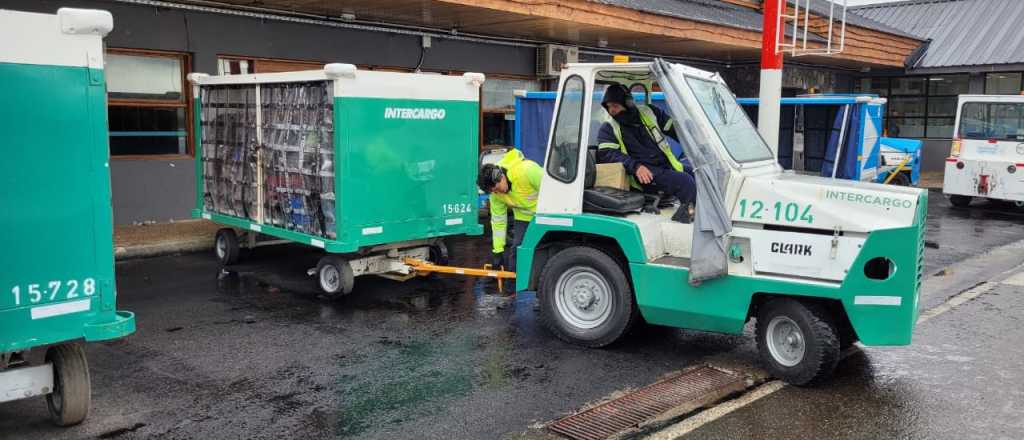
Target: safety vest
[650, 122]
[522, 197]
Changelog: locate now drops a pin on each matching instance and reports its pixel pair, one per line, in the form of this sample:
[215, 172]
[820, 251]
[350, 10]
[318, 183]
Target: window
[943, 91]
[1003, 84]
[1002, 121]
[498, 108]
[231, 65]
[919, 106]
[147, 107]
[872, 86]
[731, 123]
[564, 151]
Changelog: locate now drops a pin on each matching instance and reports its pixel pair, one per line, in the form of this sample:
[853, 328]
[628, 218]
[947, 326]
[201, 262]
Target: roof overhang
[586, 24]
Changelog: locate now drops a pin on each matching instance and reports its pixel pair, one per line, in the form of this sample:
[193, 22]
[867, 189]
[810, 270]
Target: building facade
[971, 47]
[155, 44]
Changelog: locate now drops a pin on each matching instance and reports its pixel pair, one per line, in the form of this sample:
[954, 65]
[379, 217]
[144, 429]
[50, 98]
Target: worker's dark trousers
[518, 231]
[669, 181]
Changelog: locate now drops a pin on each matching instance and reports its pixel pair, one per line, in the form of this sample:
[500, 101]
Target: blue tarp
[850, 148]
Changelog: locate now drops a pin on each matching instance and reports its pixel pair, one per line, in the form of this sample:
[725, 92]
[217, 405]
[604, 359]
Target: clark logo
[433, 114]
[791, 248]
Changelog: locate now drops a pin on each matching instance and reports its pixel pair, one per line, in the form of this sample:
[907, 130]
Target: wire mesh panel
[298, 156]
[229, 150]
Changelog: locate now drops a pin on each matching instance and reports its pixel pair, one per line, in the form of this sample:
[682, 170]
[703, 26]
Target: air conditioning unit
[551, 58]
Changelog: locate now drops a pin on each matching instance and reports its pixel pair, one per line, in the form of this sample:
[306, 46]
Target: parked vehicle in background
[987, 150]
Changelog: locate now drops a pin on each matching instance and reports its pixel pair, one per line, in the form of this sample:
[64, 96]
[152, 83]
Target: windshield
[730, 121]
[983, 121]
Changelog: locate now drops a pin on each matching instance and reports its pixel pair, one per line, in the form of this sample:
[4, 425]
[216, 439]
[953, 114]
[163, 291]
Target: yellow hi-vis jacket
[524, 178]
[650, 121]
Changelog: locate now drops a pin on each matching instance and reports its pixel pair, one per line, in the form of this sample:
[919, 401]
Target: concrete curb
[164, 248]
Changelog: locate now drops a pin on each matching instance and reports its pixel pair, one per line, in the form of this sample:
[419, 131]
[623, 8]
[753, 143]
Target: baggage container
[57, 271]
[374, 166]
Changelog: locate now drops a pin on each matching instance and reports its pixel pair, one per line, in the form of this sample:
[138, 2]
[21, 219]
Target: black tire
[334, 276]
[847, 336]
[960, 201]
[439, 253]
[225, 246]
[584, 267]
[900, 179]
[817, 338]
[72, 391]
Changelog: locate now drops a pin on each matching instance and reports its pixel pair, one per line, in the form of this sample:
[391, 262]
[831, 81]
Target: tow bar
[425, 268]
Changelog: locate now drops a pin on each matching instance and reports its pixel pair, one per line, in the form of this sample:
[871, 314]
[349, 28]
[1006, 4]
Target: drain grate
[699, 386]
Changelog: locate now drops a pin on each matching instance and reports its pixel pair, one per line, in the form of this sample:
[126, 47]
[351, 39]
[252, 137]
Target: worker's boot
[682, 214]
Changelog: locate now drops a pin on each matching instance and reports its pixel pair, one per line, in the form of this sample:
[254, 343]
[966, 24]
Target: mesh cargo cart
[372, 167]
[57, 268]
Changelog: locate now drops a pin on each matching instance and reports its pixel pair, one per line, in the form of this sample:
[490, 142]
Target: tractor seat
[605, 200]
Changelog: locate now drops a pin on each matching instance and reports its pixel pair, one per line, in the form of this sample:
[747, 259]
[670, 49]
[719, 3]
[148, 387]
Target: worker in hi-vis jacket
[513, 182]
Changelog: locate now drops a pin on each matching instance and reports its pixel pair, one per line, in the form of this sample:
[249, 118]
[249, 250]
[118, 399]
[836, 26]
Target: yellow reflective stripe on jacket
[524, 176]
[650, 122]
[499, 223]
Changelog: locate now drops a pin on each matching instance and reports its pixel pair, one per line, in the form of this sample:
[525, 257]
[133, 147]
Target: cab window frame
[549, 164]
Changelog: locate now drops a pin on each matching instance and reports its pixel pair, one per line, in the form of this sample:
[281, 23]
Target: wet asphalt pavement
[254, 353]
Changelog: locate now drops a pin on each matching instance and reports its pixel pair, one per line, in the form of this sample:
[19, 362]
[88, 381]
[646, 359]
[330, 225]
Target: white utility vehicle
[987, 150]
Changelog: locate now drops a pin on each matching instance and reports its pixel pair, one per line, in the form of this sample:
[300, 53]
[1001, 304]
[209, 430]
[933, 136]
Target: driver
[635, 137]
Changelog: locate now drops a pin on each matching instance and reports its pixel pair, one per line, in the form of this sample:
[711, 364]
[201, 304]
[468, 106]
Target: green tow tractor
[818, 263]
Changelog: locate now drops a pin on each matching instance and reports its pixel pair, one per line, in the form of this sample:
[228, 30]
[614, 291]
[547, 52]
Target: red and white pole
[769, 107]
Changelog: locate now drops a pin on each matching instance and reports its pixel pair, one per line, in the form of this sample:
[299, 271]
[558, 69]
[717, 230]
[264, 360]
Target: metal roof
[963, 32]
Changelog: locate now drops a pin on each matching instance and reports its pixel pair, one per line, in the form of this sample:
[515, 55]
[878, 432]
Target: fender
[622, 231]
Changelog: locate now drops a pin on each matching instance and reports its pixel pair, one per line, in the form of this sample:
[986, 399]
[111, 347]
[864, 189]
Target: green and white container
[374, 166]
[57, 265]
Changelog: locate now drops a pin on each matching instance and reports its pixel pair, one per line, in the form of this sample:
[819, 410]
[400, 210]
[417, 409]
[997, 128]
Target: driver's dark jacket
[643, 150]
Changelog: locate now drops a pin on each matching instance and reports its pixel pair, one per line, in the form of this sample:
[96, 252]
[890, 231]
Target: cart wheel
[226, 246]
[960, 201]
[439, 253]
[335, 276]
[797, 342]
[900, 179]
[69, 401]
[585, 297]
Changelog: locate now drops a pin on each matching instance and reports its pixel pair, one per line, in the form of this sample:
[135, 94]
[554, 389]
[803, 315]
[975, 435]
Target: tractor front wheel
[585, 297]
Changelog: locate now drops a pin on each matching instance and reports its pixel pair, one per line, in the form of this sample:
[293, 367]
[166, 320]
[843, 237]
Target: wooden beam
[752, 4]
[634, 21]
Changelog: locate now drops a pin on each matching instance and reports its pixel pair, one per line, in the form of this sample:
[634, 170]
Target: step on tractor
[816, 263]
